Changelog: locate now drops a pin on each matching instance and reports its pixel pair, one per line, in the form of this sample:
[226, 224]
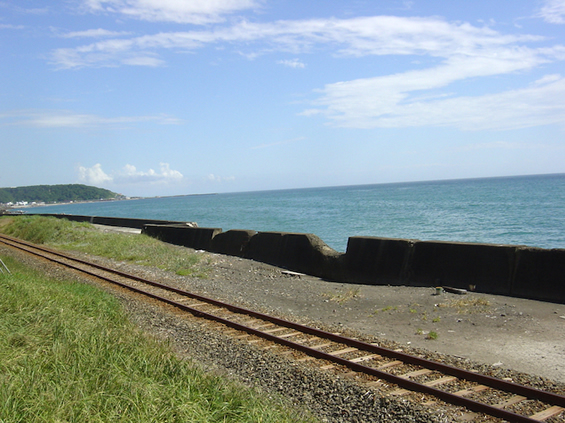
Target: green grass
[432, 335]
[84, 237]
[69, 354]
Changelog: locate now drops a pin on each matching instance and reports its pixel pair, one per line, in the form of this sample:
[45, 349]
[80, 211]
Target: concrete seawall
[125, 222]
[511, 270]
[178, 234]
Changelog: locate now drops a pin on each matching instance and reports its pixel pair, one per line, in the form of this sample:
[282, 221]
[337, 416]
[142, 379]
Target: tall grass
[84, 237]
[68, 354]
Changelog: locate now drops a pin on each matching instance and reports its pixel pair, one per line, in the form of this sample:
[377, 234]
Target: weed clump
[345, 296]
[471, 305]
[432, 335]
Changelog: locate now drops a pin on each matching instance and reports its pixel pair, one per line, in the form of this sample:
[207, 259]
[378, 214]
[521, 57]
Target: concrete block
[265, 247]
[376, 260]
[304, 253]
[233, 242]
[540, 274]
[486, 267]
[197, 238]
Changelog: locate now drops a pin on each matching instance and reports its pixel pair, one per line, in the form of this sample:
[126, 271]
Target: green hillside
[55, 193]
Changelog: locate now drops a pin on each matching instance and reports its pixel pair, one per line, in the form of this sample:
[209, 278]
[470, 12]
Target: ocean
[524, 210]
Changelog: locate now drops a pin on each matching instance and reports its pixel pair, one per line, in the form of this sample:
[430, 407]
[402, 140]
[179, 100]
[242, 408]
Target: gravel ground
[331, 399]
[499, 336]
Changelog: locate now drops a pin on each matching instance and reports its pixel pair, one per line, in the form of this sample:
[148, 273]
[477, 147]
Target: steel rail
[473, 405]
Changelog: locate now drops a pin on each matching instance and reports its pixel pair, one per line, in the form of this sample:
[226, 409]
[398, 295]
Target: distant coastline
[64, 203]
[42, 195]
[108, 200]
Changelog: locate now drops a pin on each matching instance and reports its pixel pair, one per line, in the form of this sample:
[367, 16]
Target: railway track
[401, 373]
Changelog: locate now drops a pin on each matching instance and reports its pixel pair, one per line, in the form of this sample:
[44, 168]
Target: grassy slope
[68, 353]
[140, 249]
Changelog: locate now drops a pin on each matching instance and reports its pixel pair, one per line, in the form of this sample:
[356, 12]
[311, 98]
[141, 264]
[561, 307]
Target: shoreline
[110, 200]
[68, 203]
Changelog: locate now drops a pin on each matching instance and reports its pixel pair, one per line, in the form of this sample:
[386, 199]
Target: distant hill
[55, 194]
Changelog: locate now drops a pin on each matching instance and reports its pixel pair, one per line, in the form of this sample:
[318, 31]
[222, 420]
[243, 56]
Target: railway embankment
[511, 270]
[507, 332]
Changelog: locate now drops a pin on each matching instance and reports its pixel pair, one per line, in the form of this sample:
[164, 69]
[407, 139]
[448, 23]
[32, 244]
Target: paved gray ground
[520, 334]
[523, 335]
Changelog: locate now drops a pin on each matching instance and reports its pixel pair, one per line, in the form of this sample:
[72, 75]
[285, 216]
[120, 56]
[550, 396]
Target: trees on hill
[55, 193]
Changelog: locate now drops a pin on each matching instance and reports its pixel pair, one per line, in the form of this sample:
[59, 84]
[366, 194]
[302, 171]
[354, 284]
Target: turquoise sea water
[526, 210]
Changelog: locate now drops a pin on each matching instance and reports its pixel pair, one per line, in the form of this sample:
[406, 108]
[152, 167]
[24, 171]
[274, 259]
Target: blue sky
[172, 97]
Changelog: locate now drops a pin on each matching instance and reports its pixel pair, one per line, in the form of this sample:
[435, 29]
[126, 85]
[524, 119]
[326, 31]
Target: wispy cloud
[292, 63]
[70, 119]
[218, 179]
[94, 33]
[9, 26]
[553, 11]
[458, 51]
[378, 35]
[147, 60]
[194, 12]
[385, 103]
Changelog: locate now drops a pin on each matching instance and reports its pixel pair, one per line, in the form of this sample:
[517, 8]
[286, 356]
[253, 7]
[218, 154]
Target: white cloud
[360, 107]
[292, 63]
[94, 175]
[378, 35]
[69, 119]
[458, 51]
[553, 11]
[181, 11]
[216, 178]
[129, 175]
[9, 26]
[94, 33]
[548, 79]
[143, 61]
